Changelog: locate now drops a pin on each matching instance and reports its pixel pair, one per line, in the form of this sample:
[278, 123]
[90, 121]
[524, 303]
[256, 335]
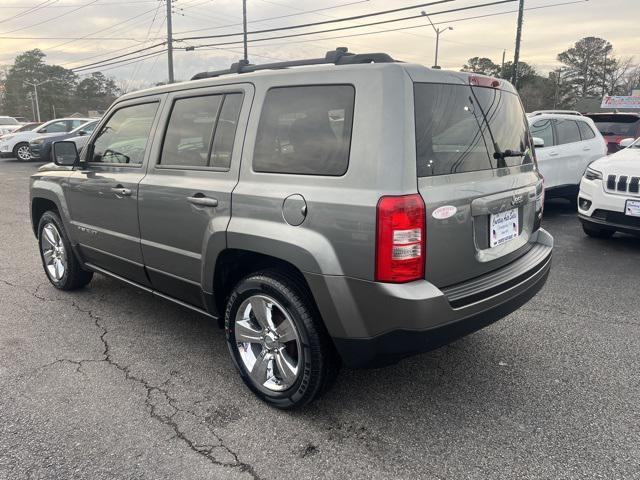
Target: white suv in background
[565, 145]
[609, 198]
[16, 145]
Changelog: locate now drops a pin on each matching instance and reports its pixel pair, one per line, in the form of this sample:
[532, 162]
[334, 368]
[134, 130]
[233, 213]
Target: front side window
[305, 130]
[567, 131]
[543, 129]
[585, 131]
[123, 139]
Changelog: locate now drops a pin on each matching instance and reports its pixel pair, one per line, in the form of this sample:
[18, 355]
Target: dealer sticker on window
[632, 208]
[503, 227]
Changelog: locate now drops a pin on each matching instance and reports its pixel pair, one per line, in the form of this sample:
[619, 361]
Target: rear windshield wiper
[498, 155]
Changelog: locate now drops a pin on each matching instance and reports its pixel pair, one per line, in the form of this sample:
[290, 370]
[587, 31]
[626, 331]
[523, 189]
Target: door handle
[120, 190]
[202, 201]
[553, 154]
[586, 149]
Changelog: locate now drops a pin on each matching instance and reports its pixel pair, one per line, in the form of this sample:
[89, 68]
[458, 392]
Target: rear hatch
[477, 177]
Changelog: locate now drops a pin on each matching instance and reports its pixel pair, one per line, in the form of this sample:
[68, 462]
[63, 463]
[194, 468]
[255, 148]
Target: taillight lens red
[401, 239]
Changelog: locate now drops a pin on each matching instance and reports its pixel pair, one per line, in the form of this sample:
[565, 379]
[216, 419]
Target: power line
[119, 61]
[82, 67]
[261, 20]
[325, 22]
[355, 26]
[475, 17]
[51, 19]
[35, 8]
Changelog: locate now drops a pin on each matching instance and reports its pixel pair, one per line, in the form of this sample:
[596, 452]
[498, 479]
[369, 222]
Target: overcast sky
[91, 30]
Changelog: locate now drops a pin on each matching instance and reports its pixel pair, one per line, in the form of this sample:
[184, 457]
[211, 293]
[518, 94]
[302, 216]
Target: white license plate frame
[632, 208]
[504, 227]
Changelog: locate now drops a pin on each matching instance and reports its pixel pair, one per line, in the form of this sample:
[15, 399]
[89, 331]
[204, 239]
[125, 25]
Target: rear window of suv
[305, 130]
[460, 128]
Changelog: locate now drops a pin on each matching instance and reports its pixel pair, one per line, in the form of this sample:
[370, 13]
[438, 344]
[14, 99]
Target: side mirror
[82, 133]
[538, 142]
[626, 142]
[65, 154]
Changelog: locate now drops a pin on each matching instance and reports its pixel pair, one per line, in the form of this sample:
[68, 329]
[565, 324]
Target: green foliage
[587, 64]
[60, 91]
[481, 65]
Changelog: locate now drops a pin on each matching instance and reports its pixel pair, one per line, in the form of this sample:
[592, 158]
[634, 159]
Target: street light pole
[439, 31]
[35, 91]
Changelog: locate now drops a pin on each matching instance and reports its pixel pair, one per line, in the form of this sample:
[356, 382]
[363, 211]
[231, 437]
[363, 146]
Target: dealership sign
[617, 101]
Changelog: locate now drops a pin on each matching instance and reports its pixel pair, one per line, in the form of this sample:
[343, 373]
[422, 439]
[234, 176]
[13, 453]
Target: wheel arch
[233, 264]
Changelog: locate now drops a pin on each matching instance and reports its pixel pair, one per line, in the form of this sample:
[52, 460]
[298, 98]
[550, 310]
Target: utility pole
[604, 74]
[35, 91]
[504, 54]
[244, 30]
[169, 42]
[439, 31]
[516, 58]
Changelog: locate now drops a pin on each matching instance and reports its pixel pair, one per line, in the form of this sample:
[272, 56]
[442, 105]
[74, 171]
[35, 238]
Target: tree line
[61, 92]
[590, 69]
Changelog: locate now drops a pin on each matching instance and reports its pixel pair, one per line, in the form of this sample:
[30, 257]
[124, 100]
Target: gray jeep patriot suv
[348, 210]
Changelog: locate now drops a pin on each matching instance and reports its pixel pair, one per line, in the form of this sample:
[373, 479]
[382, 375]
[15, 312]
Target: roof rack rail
[339, 56]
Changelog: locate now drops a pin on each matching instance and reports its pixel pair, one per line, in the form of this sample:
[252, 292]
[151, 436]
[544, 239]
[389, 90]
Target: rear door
[185, 198]
[571, 151]
[482, 200]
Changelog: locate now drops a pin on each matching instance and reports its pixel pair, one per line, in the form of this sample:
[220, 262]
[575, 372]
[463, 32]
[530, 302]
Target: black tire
[320, 361]
[597, 232]
[75, 276]
[18, 149]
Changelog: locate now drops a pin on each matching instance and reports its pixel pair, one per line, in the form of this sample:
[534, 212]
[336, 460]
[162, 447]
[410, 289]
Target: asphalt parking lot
[109, 382]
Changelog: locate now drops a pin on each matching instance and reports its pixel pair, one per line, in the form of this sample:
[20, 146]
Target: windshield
[8, 121]
[464, 129]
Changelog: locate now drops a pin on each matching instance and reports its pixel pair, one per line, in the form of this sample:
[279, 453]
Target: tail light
[539, 207]
[400, 239]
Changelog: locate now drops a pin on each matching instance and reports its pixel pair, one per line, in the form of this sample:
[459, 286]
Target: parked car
[40, 147]
[342, 237]
[8, 125]
[565, 146]
[22, 119]
[609, 198]
[22, 128]
[615, 127]
[16, 144]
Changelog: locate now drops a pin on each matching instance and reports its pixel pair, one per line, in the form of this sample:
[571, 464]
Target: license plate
[503, 227]
[632, 208]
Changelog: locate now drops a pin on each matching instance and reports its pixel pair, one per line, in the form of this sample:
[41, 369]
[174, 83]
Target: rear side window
[226, 131]
[567, 131]
[201, 131]
[188, 138]
[543, 129]
[305, 130]
[585, 131]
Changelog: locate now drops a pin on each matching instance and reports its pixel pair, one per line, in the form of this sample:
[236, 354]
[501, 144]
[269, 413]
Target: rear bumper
[374, 324]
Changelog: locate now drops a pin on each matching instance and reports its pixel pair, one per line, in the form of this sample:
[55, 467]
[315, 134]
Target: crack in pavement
[205, 451]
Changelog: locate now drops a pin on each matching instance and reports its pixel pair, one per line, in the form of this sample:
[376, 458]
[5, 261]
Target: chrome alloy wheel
[53, 252]
[24, 153]
[268, 343]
